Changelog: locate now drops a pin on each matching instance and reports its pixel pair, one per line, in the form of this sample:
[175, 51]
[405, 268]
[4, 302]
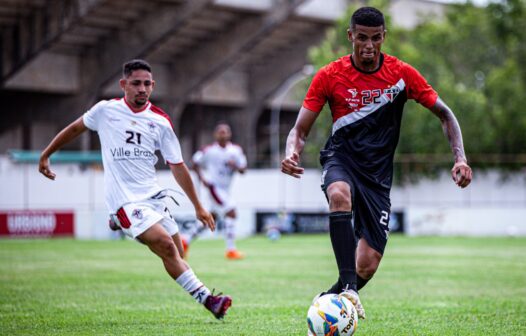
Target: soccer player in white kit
[215, 165]
[131, 129]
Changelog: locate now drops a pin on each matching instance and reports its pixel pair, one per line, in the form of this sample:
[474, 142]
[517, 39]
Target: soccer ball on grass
[332, 314]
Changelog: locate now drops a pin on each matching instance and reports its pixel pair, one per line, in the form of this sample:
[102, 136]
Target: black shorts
[371, 205]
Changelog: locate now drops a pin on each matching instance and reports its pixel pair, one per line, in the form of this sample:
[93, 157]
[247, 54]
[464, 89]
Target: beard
[140, 101]
[368, 61]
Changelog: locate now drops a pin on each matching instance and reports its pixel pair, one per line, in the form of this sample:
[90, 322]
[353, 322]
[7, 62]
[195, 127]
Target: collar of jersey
[368, 72]
[131, 109]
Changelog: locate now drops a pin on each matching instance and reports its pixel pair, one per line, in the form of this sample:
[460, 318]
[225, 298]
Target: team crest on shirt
[137, 213]
[391, 93]
[151, 125]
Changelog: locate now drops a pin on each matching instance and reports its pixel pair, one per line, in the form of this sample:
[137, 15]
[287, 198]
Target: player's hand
[232, 165]
[43, 168]
[461, 174]
[290, 165]
[206, 218]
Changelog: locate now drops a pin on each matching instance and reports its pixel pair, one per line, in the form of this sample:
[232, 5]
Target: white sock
[230, 233]
[193, 286]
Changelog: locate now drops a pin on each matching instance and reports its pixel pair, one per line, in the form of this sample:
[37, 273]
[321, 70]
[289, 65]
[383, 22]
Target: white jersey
[214, 160]
[129, 141]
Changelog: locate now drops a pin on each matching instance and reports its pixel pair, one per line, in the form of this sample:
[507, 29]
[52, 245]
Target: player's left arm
[461, 171]
[241, 162]
[183, 178]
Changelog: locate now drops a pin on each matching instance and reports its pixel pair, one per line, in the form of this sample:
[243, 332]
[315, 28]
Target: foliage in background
[476, 60]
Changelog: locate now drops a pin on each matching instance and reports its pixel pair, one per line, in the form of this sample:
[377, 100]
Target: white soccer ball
[273, 234]
[332, 314]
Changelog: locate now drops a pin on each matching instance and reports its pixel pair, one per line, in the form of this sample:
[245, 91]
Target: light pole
[277, 103]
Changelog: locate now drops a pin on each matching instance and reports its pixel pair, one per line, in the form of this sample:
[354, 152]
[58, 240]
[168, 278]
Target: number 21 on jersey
[133, 138]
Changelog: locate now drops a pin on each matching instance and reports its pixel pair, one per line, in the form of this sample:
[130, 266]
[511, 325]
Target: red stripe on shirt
[214, 195]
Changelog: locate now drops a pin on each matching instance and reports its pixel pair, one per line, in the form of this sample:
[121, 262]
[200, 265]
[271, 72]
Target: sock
[230, 233]
[361, 281]
[344, 247]
[193, 286]
[336, 288]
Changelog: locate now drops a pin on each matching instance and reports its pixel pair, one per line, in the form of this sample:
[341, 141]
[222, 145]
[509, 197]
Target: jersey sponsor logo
[353, 92]
[114, 119]
[353, 102]
[122, 153]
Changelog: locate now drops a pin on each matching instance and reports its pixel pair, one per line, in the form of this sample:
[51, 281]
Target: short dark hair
[367, 16]
[221, 123]
[136, 64]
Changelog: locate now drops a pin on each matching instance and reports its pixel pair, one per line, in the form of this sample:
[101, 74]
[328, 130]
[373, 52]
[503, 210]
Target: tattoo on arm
[451, 129]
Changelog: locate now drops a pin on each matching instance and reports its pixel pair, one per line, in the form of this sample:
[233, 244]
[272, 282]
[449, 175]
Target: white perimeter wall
[490, 206]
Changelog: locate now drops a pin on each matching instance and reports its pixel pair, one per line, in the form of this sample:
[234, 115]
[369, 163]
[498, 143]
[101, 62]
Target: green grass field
[425, 286]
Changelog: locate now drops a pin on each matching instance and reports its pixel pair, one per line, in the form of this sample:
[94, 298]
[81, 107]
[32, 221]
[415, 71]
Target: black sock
[361, 281]
[344, 247]
[336, 288]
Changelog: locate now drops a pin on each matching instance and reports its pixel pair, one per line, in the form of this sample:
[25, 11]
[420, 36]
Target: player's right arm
[296, 142]
[65, 136]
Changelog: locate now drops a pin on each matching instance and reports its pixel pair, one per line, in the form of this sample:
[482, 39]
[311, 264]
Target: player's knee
[339, 200]
[231, 214]
[167, 248]
[366, 271]
[366, 267]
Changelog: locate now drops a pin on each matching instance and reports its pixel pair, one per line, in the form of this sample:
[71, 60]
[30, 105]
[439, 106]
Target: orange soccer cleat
[186, 247]
[234, 255]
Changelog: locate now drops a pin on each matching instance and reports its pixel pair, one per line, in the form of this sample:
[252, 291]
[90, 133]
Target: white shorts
[137, 217]
[220, 202]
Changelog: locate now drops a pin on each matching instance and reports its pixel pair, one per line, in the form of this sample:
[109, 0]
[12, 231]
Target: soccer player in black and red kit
[366, 92]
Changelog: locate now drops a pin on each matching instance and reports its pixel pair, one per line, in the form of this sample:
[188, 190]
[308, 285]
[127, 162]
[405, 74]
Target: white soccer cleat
[355, 300]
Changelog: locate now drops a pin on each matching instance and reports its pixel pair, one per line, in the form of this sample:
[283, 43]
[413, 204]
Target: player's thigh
[158, 240]
[371, 211]
[168, 220]
[337, 186]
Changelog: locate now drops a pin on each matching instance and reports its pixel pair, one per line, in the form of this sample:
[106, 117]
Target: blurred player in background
[366, 92]
[131, 129]
[215, 165]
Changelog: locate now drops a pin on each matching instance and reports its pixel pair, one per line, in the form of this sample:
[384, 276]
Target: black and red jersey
[367, 111]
